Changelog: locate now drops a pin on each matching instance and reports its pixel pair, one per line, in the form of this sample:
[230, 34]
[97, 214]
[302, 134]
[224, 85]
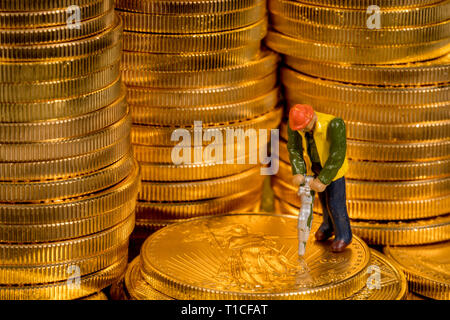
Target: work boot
[323, 233]
[339, 245]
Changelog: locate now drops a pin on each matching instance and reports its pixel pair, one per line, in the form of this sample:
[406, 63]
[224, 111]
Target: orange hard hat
[300, 116]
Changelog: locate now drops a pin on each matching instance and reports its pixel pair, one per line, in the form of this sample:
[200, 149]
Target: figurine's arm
[338, 148]
[295, 149]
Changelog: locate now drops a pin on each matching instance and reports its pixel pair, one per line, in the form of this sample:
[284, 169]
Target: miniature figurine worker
[317, 146]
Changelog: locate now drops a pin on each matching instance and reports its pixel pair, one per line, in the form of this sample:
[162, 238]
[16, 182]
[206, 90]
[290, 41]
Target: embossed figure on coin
[317, 147]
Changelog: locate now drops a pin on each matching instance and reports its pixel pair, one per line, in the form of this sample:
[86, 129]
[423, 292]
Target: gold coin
[137, 287]
[374, 209]
[356, 55]
[426, 267]
[185, 210]
[78, 48]
[55, 17]
[59, 89]
[57, 34]
[357, 17]
[36, 233]
[213, 114]
[66, 290]
[59, 69]
[264, 247]
[360, 94]
[193, 23]
[416, 73]
[162, 136]
[32, 275]
[203, 42]
[364, 4]
[27, 5]
[413, 132]
[66, 167]
[52, 190]
[38, 254]
[181, 7]
[257, 68]
[372, 113]
[412, 232]
[198, 190]
[361, 37]
[64, 128]
[96, 297]
[392, 282]
[77, 209]
[61, 108]
[214, 95]
[63, 148]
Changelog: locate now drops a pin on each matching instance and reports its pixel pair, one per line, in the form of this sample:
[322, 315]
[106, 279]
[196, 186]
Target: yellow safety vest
[322, 144]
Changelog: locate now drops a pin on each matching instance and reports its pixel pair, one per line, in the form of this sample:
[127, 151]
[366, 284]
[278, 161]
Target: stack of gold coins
[384, 69]
[195, 72]
[255, 256]
[68, 180]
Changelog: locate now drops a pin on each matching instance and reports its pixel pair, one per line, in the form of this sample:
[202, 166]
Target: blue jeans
[335, 216]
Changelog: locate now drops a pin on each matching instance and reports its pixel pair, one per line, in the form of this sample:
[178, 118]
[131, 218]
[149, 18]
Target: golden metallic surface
[258, 260]
[193, 23]
[66, 290]
[59, 69]
[81, 208]
[257, 68]
[356, 55]
[32, 275]
[400, 133]
[191, 172]
[204, 42]
[360, 94]
[39, 254]
[416, 73]
[55, 17]
[78, 48]
[393, 284]
[191, 61]
[185, 210]
[63, 148]
[137, 287]
[213, 114]
[27, 5]
[357, 17]
[427, 268]
[66, 167]
[413, 296]
[37, 233]
[96, 297]
[374, 209]
[64, 128]
[203, 96]
[382, 171]
[59, 89]
[161, 136]
[51, 190]
[197, 190]
[362, 37]
[181, 7]
[363, 4]
[61, 108]
[372, 113]
[57, 34]
[412, 232]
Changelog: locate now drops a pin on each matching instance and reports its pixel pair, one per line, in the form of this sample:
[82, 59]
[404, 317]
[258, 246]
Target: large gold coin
[363, 4]
[427, 268]
[392, 282]
[27, 5]
[249, 256]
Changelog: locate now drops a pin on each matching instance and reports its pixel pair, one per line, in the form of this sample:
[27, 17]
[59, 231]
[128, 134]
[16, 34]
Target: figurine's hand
[298, 180]
[317, 186]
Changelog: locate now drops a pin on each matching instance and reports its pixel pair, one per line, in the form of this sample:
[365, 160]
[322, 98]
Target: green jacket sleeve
[338, 149]
[295, 149]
